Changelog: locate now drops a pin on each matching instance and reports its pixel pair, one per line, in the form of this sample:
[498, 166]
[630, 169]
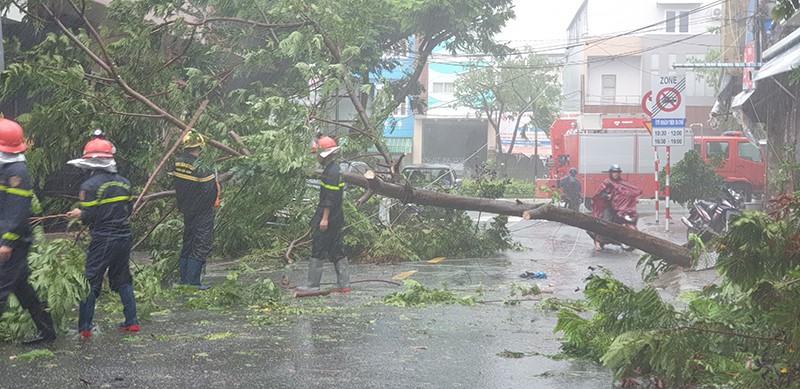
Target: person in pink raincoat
[615, 200]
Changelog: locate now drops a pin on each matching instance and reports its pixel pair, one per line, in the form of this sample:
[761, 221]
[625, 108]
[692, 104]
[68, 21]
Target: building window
[443, 87]
[609, 86]
[400, 49]
[677, 21]
[400, 111]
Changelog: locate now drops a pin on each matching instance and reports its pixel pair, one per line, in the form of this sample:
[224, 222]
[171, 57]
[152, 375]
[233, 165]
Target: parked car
[431, 176]
[422, 176]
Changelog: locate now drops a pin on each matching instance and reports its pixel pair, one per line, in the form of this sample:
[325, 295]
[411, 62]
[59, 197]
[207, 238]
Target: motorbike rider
[615, 200]
[571, 190]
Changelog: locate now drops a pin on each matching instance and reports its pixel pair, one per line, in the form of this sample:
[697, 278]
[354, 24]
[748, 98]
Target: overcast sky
[540, 23]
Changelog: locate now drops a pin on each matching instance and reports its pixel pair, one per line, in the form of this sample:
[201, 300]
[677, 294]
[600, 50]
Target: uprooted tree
[668, 251]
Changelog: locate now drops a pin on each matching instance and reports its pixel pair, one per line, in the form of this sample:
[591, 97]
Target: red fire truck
[591, 142]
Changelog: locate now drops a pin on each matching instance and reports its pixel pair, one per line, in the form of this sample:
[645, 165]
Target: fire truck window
[749, 152]
[717, 149]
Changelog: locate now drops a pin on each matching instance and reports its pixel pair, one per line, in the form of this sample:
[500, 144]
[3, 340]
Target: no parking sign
[668, 110]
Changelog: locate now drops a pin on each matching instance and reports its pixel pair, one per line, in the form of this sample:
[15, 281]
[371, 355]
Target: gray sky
[540, 23]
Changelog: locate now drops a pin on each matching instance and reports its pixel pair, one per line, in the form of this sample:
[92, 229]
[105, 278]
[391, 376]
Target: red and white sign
[668, 99]
[609, 123]
[749, 56]
[668, 112]
[647, 103]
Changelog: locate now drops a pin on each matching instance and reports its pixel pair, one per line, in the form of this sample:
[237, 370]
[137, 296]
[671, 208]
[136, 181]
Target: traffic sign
[669, 102]
[668, 99]
[647, 103]
[669, 110]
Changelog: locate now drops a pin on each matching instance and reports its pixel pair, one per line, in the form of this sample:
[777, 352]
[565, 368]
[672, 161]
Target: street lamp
[697, 124]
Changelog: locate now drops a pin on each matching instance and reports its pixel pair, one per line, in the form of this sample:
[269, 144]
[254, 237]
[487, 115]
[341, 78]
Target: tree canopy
[515, 87]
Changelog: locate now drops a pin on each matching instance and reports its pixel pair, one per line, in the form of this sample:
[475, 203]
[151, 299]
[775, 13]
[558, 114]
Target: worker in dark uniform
[328, 221]
[105, 206]
[571, 190]
[15, 231]
[196, 192]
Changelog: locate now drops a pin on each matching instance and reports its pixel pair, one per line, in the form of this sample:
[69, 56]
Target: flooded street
[354, 340]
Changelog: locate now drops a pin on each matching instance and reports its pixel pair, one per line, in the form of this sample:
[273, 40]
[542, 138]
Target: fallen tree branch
[287, 258]
[276, 26]
[670, 252]
[172, 149]
[236, 138]
[153, 228]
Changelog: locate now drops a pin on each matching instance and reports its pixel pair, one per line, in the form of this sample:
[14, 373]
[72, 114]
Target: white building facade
[616, 46]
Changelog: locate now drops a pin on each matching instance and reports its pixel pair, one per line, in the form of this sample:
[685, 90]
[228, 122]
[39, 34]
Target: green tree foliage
[692, 178]
[272, 71]
[784, 9]
[741, 333]
[511, 88]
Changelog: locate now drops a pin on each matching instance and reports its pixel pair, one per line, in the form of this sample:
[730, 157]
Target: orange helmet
[98, 148]
[325, 145]
[11, 140]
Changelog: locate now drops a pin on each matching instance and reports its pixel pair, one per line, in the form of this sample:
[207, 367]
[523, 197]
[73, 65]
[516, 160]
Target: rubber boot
[44, 325]
[194, 270]
[128, 300]
[183, 264]
[314, 274]
[342, 275]
[86, 313]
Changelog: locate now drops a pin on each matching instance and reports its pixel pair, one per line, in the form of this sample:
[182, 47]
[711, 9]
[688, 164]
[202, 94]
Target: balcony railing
[613, 100]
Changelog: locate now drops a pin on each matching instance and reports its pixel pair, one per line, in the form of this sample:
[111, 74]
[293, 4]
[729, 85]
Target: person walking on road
[105, 206]
[571, 190]
[15, 232]
[328, 221]
[196, 192]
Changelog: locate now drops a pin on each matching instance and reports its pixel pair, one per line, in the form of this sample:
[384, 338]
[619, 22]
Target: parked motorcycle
[715, 216]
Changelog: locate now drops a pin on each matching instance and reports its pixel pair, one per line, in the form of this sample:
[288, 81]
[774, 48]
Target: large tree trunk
[668, 251]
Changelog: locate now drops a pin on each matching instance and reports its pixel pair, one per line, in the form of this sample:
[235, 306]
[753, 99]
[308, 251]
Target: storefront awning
[396, 145]
[781, 57]
[741, 98]
[785, 62]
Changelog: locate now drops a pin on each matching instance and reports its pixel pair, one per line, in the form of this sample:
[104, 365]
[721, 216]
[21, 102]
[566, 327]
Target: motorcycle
[616, 202]
[714, 216]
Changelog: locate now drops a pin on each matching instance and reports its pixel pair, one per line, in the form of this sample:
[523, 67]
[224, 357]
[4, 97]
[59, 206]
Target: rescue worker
[15, 231]
[328, 221]
[105, 206]
[571, 190]
[196, 193]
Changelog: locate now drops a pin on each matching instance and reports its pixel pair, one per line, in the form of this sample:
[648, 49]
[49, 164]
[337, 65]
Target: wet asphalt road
[354, 340]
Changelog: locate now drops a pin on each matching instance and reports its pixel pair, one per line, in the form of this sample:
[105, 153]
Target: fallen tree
[670, 252]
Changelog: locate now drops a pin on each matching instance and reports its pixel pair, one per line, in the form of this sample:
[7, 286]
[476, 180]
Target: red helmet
[98, 148]
[323, 143]
[11, 140]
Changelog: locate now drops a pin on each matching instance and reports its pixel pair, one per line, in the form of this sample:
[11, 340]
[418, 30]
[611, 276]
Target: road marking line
[436, 260]
[403, 275]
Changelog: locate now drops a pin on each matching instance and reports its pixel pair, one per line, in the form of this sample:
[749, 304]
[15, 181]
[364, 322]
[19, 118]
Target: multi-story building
[616, 46]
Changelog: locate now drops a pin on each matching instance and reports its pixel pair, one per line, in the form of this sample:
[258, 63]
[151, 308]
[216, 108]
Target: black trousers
[109, 253]
[198, 234]
[328, 244]
[14, 279]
